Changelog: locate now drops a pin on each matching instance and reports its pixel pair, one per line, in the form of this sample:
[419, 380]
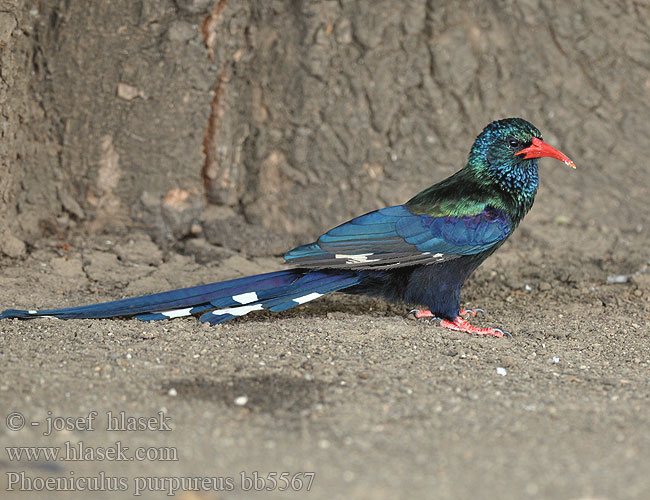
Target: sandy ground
[376, 405]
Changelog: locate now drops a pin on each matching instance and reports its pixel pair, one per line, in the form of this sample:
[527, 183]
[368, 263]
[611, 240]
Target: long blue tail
[216, 302]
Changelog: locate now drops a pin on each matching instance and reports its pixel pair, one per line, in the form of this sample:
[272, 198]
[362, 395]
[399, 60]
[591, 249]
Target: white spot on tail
[33, 312]
[238, 311]
[177, 313]
[307, 298]
[434, 255]
[359, 258]
[245, 298]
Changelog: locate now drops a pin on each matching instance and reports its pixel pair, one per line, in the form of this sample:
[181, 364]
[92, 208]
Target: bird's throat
[519, 185]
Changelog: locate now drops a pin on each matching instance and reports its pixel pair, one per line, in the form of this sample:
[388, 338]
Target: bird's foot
[471, 312]
[423, 313]
[462, 325]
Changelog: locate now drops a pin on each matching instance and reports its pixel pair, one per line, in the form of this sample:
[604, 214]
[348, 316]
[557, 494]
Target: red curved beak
[540, 149]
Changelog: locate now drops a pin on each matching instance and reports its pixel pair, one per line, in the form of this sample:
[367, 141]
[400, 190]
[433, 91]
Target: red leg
[462, 325]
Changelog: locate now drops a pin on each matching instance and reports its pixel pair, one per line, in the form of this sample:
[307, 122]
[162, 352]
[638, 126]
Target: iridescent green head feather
[501, 172]
[494, 158]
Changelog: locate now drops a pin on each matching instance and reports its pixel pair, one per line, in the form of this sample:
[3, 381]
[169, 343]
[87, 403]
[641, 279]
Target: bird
[419, 253]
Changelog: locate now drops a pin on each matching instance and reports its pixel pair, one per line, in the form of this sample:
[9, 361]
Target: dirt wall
[257, 124]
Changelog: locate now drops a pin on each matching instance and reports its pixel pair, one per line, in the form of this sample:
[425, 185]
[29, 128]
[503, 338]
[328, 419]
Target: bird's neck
[517, 186]
[471, 190]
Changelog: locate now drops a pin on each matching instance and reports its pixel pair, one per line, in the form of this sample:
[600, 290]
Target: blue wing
[396, 237]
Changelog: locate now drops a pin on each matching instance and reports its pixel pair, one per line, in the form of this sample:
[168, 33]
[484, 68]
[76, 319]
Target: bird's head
[507, 152]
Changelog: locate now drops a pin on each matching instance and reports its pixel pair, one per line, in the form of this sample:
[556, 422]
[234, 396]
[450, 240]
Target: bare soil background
[151, 145]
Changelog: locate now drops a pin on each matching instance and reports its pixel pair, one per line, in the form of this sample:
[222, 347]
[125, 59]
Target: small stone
[128, 92]
[241, 400]
[544, 286]
[172, 392]
[617, 279]
[502, 371]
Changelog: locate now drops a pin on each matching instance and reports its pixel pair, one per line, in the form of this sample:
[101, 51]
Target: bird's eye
[512, 142]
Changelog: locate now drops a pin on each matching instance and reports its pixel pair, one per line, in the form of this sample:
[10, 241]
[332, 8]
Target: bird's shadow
[267, 394]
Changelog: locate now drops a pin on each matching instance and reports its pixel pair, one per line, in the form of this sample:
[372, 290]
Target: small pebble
[618, 278]
[561, 220]
[241, 400]
[555, 359]
[502, 371]
[172, 392]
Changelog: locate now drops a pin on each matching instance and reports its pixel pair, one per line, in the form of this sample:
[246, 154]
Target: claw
[471, 312]
[422, 313]
[462, 325]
